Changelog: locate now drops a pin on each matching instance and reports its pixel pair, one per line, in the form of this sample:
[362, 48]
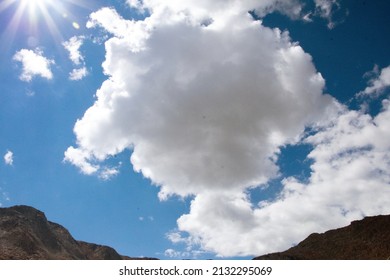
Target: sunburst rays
[33, 17]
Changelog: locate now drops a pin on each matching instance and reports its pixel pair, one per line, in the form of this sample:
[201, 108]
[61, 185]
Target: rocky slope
[25, 233]
[368, 239]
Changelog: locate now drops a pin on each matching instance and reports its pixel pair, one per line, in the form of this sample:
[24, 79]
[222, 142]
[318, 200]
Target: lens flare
[75, 25]
[35, 16]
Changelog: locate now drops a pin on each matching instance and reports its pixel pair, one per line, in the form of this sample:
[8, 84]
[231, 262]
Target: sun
[34, 16]
[27, 13]
[35, 9]
[32, 7]
[33, 3]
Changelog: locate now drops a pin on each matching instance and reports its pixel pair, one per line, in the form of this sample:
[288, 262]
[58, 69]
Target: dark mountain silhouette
[25, 233]
[367, 239]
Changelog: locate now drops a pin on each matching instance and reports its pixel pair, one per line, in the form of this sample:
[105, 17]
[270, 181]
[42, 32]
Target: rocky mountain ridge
[367, 239]
[25, 233]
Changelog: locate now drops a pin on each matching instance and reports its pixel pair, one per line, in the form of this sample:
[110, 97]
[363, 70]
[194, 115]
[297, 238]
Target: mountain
[367, 239]
[25, 233]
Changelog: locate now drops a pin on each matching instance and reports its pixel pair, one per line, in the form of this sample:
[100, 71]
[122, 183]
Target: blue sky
[195, 130]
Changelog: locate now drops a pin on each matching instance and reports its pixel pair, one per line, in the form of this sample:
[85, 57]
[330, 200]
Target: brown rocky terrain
[367, 239]
[25, 233]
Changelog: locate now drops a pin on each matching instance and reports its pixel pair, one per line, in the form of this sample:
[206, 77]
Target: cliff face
[25, 233]
[368, 239]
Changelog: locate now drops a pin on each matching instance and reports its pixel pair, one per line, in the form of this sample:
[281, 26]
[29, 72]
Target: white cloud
[217, 9]
[150, 218]
[188, 253]
[33, 64]
[78, 158]
[349, 180]
[107, 173]
[176, 237]
[214, 94]
[9, 158]
[133, 33]
[171, 253]
[78, 74]
[73, 47]
[205, 110]
[379, 83]
[327, 9]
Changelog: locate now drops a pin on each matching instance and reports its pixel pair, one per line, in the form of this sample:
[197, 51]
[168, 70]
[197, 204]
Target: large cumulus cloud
[201, 107]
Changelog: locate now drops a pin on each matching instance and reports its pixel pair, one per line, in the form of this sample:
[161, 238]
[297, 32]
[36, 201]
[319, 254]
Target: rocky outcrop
[25, 233]
[368, 239]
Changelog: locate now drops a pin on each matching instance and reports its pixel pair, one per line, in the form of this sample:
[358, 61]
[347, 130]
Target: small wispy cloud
[187, 253]
[327, 9]
[108, 173]
[78, 74]
[379, 83]
[77, 157]
[73, 46]
[33, 64]
[9, 158]
[174, 254]
[150, 218]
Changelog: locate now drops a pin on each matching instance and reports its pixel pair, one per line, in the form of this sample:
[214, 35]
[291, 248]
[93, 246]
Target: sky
[196, 129]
